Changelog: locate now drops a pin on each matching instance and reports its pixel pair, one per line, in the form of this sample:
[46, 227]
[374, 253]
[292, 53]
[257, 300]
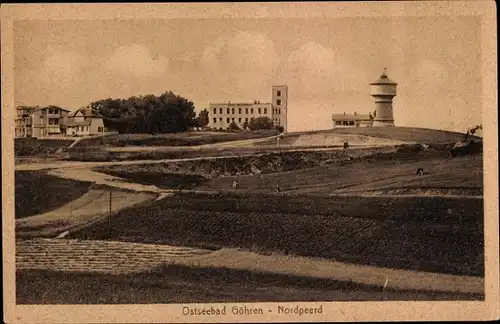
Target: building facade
[41, 121]
[85, 122]
[352, 120]
[221, 115]
[52, 121]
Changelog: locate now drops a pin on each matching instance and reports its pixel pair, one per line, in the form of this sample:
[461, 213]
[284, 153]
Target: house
[40, 121]
[352, 120]
[85, 122]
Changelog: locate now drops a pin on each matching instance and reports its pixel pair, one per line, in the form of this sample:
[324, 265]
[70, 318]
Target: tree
[167, 113]
[233, 126]
[472, 131]
[202, 119]
[260, 123]
[280, 128]
[245, 124]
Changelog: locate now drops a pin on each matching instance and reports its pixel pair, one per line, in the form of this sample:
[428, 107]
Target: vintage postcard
[250, 162]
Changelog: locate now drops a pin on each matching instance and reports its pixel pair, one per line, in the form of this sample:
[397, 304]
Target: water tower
[383, 91]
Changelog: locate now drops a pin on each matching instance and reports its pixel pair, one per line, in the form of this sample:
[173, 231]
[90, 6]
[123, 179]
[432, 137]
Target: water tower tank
[383, 91]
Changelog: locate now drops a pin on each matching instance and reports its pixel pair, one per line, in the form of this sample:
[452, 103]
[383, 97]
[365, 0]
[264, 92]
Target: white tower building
[383, 91]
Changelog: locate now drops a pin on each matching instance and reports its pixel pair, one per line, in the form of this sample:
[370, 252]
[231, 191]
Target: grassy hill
[359, 135]
[38, 147]
[410, 134]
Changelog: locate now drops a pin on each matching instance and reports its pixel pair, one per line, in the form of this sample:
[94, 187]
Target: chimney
[344, 113]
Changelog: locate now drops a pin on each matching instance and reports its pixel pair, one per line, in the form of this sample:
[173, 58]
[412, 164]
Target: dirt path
[339, 139]
[91, 207]
[121, 257]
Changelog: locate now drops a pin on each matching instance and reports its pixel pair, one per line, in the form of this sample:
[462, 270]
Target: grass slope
[398, 233]
[462, 174]
[179, 139]
[38, 147]
[37, 192]
[180, 284]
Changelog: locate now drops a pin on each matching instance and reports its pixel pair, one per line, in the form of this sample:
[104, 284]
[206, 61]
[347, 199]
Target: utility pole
[109, 218]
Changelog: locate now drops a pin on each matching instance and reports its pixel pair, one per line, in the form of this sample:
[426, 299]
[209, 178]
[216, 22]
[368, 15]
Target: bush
[260, 123]
[467, 148]
[233, 126]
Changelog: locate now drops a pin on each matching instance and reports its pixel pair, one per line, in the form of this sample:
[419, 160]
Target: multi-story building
[24, 121]
[40, 121]
[221, 115]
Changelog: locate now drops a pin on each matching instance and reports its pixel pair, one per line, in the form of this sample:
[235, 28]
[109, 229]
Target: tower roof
[384, 79]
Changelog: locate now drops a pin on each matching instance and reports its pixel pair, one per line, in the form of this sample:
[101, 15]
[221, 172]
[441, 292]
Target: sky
[327, 64]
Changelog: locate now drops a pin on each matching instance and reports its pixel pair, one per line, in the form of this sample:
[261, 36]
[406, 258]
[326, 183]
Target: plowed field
[399, 233]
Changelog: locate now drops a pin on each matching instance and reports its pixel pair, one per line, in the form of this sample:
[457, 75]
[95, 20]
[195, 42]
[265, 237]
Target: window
[260, 111]
[220, 119]
[100, 129]
[251, 111]
[246, 119]
[239, 120]
[351, 123]
[338, 122]
[227, 120]
[246, 111]
[215, 111]
[228, 110]
[239, 110]
[278, 102]
[215, 120]
[232, 119]
[220, 111]
[265, 111]
[278, 93]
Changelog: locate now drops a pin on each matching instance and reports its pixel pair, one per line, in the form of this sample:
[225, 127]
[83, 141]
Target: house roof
[51, 106]
[27, 107]
[348, 117]
[239, 103]
[87, 112]
[383, 79]
[39, 108]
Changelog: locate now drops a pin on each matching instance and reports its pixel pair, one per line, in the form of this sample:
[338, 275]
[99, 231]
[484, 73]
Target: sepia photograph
[249, 162]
